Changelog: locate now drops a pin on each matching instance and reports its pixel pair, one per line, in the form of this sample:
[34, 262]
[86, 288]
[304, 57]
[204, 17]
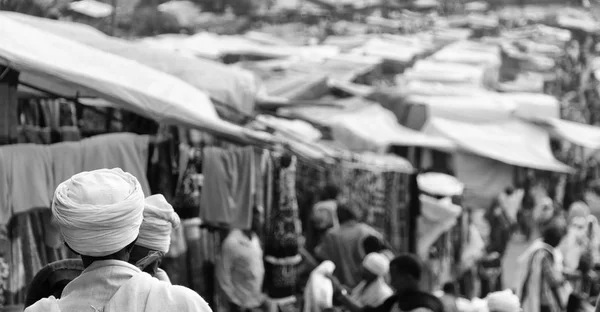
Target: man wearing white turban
[154, 239]
[503, 301]
[99, 214]
[373, 290]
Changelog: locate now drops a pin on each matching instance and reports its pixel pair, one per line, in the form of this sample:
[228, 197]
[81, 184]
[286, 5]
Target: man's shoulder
[420, 299]
[179, 295]
[44, 305]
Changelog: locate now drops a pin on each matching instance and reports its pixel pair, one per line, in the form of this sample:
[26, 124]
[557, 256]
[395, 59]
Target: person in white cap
[503, 301]
[99, 214]
[154, 239]
[373, 290]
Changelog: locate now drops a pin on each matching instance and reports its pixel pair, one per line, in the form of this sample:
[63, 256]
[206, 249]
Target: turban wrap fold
[377, 264]
[159, 220]
[503, 301]
[99, 212]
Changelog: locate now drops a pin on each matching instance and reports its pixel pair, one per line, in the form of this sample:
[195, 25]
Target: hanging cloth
[26, 179]
[118, 150]
[229, 181]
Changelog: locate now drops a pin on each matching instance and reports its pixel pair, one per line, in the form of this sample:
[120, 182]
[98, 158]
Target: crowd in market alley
[314, 156]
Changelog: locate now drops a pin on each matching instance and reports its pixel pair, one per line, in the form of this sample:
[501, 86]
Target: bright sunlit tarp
[43, 57]
[513, 142]
[577, 133]
[375, 128]
[361, 125]
[226, 85]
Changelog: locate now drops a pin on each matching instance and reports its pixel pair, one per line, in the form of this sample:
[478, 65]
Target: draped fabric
[310, 180]
[47, 121]
[187, 195]
[35, 242]
[383, 197]
[285, 229]
[282, 245]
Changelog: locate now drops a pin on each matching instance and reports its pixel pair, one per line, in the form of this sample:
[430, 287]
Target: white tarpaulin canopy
[361, 125]
[374, 128]
[48, 61]
[577, 133]
[229, 86]
[513, 142]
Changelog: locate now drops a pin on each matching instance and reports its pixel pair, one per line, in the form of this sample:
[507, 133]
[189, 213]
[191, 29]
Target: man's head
[330, 192]
[375, 265]
[155, 233]
[345, 213]
[99, 213]
[373, 244]
[450, 289]
[405, 272]
[554, 231]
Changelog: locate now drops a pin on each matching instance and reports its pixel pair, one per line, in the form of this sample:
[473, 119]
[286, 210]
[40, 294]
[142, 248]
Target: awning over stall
[46, 60]
[227, 85]
[580, 134]
[513, 142]
[365, 126]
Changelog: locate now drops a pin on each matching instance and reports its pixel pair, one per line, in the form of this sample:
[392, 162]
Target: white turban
[99, 212]
[503, 301]
[159, 220]
[377, 264]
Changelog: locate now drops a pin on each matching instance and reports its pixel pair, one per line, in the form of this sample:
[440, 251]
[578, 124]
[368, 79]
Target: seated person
[405, 271]
[372, 289]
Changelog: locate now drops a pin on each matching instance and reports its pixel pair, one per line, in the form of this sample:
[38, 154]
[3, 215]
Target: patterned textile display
[187, 196]
[310, 180]
[47, 121]
[33, 245]
[282, 244]
[281, 277]
[285, 228]
[383, 198]
[4, 268]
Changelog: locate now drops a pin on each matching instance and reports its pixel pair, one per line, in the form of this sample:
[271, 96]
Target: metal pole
[113, 18]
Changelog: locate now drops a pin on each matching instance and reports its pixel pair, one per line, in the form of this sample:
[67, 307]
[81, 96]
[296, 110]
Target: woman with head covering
[154, 239]
[99, 214]
[542, 288]
[318, 294]
[575, 242]
[373, 290]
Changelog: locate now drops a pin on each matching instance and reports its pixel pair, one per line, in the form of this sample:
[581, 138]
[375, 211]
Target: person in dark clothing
[501, 229]
[405, 272]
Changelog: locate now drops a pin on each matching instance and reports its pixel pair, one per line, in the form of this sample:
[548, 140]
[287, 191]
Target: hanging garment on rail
[35, 242]
[26, 179]
[118, 150]
[229, 185]
[66, 161]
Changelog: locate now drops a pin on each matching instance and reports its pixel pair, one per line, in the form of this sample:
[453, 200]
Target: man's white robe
[117, 286]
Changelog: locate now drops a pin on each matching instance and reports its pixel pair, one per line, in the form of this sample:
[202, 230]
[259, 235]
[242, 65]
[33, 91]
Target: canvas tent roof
[513, 142]
[580, 134]
[46, 60]
[365, 126]
[226, 85]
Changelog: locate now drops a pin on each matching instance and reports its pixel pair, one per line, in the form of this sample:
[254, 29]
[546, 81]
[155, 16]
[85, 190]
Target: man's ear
[71, 249]
[129, 247]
